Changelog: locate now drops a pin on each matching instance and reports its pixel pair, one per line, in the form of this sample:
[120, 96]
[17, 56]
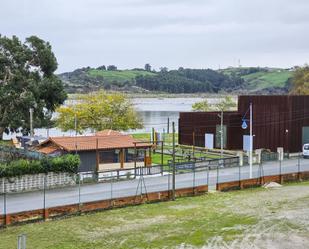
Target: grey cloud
[172, 33]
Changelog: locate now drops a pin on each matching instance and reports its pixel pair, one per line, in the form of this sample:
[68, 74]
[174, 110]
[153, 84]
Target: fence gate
[269, 156]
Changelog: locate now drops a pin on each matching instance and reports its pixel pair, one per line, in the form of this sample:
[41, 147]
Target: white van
[306, 151]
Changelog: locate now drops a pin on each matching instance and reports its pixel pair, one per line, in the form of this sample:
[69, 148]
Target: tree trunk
[1, 133]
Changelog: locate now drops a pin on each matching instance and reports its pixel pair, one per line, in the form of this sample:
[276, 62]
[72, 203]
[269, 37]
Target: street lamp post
[245, 126]
[221, 134]
[251, 141]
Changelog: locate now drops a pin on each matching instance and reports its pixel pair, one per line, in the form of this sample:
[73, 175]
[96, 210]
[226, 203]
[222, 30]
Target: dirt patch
[126, 226]
[272, 185]
[184, 207]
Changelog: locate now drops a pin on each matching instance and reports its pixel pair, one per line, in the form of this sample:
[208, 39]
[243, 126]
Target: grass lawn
[142, 136]
[253, 218]
[147, 137]
[156, 158]
[119, 75]
[261, 80]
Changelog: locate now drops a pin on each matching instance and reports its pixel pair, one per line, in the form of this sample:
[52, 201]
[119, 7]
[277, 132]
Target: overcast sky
[171, 33]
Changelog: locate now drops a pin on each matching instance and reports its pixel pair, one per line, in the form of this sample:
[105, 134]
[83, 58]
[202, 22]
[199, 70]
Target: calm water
[156, 111]
[153, 111]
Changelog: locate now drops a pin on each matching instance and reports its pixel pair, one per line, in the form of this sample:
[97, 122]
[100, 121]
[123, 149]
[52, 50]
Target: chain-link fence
[105, 189]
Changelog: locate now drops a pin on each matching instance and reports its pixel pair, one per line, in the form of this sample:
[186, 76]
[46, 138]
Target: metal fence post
[168, 180]
[4, 200]
[299, 155]
[299, 170]
[44, 196]
[79, 199]
[239, 172]
[111, 181]
[161, 168]
[208, 176]
[141, 178]
[217, 174]
[174, 165]
[193, 178]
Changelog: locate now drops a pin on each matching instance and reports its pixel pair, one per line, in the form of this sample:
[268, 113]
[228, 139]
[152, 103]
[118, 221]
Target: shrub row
[67, 163]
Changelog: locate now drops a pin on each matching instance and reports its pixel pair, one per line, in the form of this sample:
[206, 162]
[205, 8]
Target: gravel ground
[283, 220]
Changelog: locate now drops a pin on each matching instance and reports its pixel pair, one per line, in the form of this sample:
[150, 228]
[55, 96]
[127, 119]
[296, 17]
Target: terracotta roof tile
[108, 133]
[48, 149]
[81, 143]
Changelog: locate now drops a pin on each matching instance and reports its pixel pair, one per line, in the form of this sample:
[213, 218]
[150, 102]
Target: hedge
[67, 163]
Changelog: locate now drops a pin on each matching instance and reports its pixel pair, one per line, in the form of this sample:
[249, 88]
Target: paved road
[91, 192]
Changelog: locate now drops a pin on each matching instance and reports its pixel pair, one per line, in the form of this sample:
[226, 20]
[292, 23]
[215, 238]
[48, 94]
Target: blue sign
[244, 124]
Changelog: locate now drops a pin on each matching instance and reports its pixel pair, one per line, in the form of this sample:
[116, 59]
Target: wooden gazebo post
[149, 160]
[122, 158]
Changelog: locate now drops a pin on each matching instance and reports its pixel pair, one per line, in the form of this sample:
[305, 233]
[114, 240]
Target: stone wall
[36, 182]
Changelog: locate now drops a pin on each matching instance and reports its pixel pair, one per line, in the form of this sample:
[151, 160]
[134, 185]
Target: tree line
[188, 81]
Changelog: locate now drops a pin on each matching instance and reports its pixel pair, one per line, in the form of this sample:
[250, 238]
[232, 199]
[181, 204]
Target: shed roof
[48, 149]
[108, 133]
[101, 142]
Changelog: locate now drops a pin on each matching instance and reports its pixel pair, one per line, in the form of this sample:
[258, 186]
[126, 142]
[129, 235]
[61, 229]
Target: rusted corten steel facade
[194, 125]
[278, 121]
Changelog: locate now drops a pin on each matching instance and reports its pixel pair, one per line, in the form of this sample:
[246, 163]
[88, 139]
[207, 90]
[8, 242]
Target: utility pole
[193, 142]
[174, 166]
[163, 136]
[75, 126]
[31, 122]
[153, 135]
[168, 125]
[221, 135]
[251, 141]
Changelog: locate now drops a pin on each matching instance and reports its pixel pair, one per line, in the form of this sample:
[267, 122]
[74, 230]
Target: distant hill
[91, 79]
[262, 80]
[249, 80]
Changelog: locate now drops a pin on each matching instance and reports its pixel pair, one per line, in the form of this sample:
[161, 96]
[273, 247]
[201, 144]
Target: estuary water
[153, 111]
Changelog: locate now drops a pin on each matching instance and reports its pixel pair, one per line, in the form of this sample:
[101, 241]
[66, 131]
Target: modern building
[278, 121]
[106, 150]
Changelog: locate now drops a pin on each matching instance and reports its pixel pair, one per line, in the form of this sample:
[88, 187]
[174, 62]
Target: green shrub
[46, 164]
[67, 163]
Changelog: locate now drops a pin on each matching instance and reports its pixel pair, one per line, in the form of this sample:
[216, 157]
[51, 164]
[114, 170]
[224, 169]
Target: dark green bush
[67, 163]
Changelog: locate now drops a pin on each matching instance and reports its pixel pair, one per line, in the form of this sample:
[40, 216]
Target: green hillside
[238, 80]
[119, 75]
[89, 79]
[262, 79]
